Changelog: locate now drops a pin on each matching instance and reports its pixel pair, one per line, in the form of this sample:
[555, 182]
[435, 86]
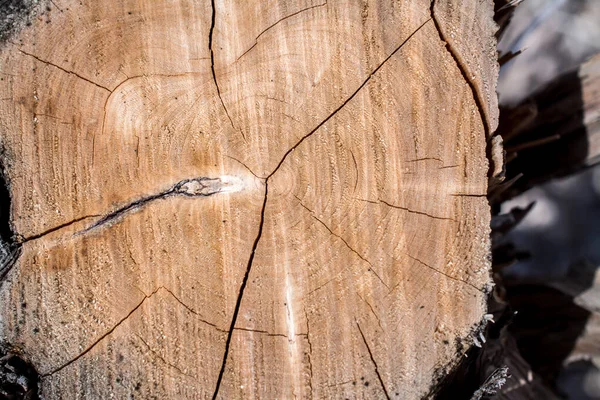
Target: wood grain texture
[247, 199]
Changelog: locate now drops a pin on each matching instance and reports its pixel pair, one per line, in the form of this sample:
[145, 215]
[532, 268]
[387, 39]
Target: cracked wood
[195, 187]
[233, 199]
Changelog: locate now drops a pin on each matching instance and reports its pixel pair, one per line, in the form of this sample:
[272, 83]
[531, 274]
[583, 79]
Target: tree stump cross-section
[246, 199]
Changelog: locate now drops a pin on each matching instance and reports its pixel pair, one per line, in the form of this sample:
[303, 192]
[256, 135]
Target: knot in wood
[208, 186]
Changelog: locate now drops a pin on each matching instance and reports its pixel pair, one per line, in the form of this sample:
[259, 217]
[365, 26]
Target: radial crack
[341, 106]
[374, 363]
[146, 297]
[356, 171]
[200, 317]
[443, 273]
[372, 269]
[276, 23]
[261, 332]
[65, 70]
[54, 4]
[212, 64]
[463, 71]
[372, 310]
[56, 228]
[107, 333]
[241, 291]
[245, 166]
[468, 195]
[321, 286]
[426, 159]
[408, 210]
[158, 356]
[195, 187]
[310, 352]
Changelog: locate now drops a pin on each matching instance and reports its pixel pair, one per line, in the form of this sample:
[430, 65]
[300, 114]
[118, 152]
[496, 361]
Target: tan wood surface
[247, 198]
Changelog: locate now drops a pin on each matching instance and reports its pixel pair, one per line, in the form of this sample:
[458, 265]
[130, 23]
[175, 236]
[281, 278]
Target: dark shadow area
[545, 136]
[14, 14]
[474, 368]
[546, 327]
[462, 382]
[18, 379]
[9, 250]
[6, 233]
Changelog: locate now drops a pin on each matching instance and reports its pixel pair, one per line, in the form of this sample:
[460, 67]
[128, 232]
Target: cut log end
[230, 199]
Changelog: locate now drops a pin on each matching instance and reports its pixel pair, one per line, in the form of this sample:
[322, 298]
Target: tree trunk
[246, 198]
